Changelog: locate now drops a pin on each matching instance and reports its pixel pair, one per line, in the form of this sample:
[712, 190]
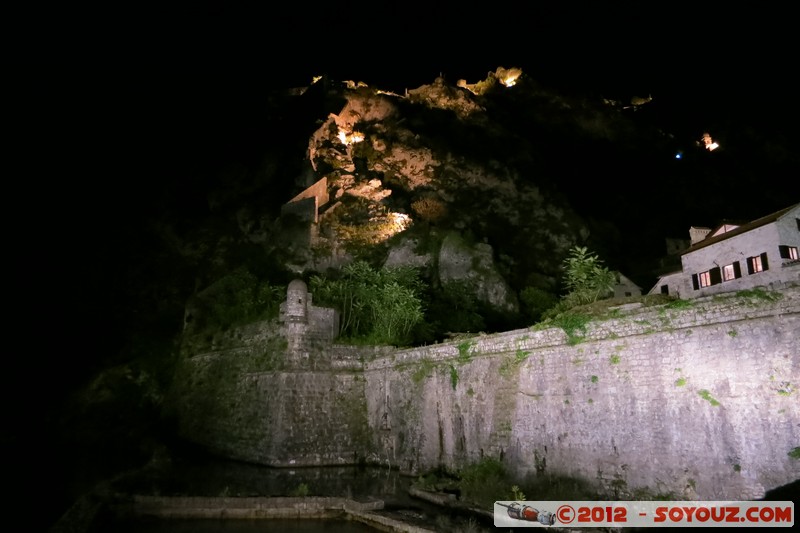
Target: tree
[585, 277]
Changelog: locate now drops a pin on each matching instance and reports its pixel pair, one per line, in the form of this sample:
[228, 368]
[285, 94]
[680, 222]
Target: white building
[624, 287]
[733, 257]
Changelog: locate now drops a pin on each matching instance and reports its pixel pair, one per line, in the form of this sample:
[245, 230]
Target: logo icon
[518, 511]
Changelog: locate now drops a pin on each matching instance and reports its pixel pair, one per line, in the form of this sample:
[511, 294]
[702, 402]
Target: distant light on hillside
[349, 138]
[508, 77]
[401, 221]
[708, 142]
[510, 81]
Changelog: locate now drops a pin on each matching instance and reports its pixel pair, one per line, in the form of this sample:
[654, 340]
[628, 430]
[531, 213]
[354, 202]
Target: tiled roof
[744, 228]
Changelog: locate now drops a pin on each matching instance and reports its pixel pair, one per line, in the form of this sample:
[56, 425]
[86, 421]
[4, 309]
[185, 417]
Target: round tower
[297, 301]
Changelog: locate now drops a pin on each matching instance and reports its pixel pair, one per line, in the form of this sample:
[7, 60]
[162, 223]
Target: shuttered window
[732, 271]
[788, 252]
[757, 263]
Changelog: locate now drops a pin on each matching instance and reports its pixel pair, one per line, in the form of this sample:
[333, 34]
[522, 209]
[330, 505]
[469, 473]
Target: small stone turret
[308, 328]
[297, 302]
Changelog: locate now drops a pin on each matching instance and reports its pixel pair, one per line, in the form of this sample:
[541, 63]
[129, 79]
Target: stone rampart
[698, 401]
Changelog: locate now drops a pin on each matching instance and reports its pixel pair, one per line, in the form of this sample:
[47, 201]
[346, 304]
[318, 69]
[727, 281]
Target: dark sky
[184, 73]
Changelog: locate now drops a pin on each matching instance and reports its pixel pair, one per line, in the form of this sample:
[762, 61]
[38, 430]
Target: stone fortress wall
[698, 401]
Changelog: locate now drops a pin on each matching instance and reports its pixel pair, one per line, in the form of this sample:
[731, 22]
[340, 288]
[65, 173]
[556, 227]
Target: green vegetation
[760, 294]
[614, 359]
[510, 363]
[484, 482]
[505, 368]
[585, 277]
[795, 453]
[679, 304]
[680, 382]
[424, 370]
[594, 379]
[236, 299]
[732, 332]
[464, 351]
[455, 308]
[573, 324]
[377, 306]
[453, 376]
[300, 491]
[586, 281]
[706, 395]
[535, 302]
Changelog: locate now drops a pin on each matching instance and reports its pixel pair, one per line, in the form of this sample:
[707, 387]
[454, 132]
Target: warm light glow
[508, 77]
[315, 79]
[401, 220]
[350, 138]
[709, 143]
[511, 79]
[394, 224]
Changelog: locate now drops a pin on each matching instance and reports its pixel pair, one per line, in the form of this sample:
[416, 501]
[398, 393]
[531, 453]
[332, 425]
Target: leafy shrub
[585, 277]
[484, 482]
[381, 306]
[429, 209]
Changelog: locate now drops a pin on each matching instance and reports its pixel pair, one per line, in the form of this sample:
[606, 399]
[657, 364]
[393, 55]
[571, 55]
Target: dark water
[241, 526]
[195, 473]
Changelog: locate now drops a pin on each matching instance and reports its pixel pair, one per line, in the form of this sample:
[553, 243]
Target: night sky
[159, 93]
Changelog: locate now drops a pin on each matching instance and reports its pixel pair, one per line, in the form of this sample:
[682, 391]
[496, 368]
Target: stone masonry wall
[699, 401]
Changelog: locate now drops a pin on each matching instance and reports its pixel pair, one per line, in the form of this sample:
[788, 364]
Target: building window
[731, 271]
[707, 278]
[757, 264]
[788, 252]
[665, 289]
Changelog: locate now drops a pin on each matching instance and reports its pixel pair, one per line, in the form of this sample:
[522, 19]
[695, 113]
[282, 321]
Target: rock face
[435, 167]
[458, 261]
